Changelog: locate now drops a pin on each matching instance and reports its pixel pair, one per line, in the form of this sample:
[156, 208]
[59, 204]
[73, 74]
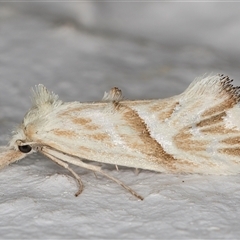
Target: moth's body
[197, 131]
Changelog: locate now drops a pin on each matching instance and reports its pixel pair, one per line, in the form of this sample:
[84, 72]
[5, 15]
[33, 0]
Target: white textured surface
[149, 50]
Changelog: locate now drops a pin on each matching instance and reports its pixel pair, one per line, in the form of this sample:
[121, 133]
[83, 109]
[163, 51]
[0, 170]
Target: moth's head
[18, 148]
[22, 142]
[44, 102]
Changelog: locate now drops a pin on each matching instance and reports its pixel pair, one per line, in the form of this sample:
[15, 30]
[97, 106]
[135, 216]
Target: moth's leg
[76, 161]
[94, 168]
[118, 182]
[137, 171]
[65, 165]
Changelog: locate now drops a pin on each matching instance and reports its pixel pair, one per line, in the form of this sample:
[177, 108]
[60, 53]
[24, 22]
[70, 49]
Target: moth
[197, 131]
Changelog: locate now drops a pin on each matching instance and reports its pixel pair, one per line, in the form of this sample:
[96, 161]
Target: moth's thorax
[29, 131]
[34, 119]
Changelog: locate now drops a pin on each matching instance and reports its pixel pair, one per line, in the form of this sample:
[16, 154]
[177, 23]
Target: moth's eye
[25, 148]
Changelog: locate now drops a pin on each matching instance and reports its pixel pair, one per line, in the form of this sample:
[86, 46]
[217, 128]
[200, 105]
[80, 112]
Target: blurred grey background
[141, 47]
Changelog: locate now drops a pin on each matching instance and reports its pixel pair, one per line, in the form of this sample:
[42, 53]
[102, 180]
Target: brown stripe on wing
[101, 137]
[219, 130]
[81, 120]
[65, 133]
[230, 151]
[212, 120]
[164, 108]
[232, 140]
[219, 108]
[145, 143]
[86, 123]
[184, 140]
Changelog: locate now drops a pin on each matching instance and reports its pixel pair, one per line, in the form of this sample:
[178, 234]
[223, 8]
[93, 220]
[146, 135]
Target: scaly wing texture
[100, 132]
[194, 132]
[200, 128]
